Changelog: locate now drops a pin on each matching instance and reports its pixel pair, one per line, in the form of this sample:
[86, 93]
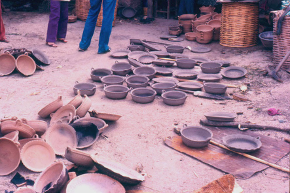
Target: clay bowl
[22, 142]
[204, 34]
[143, 95]
[242, 143]
[94, 182]
[25, 131]
[116, 91]
[8, 64]
[51, 107]
[105, 116]
[121, 68]
[13, 136]
[25, 65]
[187, 17]
[206, 17]
[38, 125]
[164, 63]
[163, 86]
[60, 136]
[184, 22]
[215, 88]
[77, 100]
[65, 114]
[163, 71]
[112, 80]
[174, 98]
[161, 54]
[174, 28]
[37, 155]
[24, 190]
[186, 74]
[137, 81]
[101, 124]
[98, 73]
[79, 158]
[136, 48]
[190, 86]
[145, 71]
[215, 23]
[9, 156]
[196, 137]
[217, 16]
[52, 179]
[134, 62]
[135, 54]
[185, 63]
[190, 36]
[84, 107]
[88, 89]
[210, 67]
[175, 49]
[147, 58]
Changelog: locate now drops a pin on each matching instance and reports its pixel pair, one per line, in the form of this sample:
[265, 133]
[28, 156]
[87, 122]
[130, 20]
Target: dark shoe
[81, 50]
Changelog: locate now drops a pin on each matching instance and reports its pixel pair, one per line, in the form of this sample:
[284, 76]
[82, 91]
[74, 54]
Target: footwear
[81, 50]
[51, 44]
[5, 41]
[104, 51]
[62, 40]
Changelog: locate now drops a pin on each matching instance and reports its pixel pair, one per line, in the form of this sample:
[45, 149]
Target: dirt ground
[137, 138]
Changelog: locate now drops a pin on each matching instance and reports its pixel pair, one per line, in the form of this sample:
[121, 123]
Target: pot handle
[35, 136]
[92, 69]
[105, 85]
[76, 82]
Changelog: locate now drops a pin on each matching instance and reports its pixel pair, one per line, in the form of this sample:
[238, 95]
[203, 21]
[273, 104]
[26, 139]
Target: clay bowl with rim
[184, 22]
[197, 23]
[190, 36]
[204, 34]
[79, 158]
[8, 64]
[121, 68]
[186, 74]
[165, 79]
[25, 131]
[206, 17]
[164, 63]
[117, 170]
[242, 143]
[214, 88]
[38, 125]
[174, 28]
[77, 100]
[9, 156]
[100, 123]
[136, 48]
[93, 183]
[220, 116]
[177, 56]
[163, 87]
[105, 116]
[112, 80]
[147, 58]
[13, 136]
[51, 107]
[217, 16]
[161, 54]
[25, 190]
[210, 67]
[135, 54]
[175, 33]
[233, 72]
[65, 114]
[98, 73]
[39, 57]
[190, 86]
[52, 179]
[143, 95]
[196, 137]
[145, 71]
[175, 49]
[25, 65]
[84, 107]
[85, 88]
[116, 91]
[22, 142]
[86, 132]
[37, 155]
[215, 23]
[163, 71]
[174, 98]
[60, 136]
[187, 17]
[120, 54]
[187, 27]
[134, 62]
[185, 63]
[200, 59]
[136, 81]
[209, 77]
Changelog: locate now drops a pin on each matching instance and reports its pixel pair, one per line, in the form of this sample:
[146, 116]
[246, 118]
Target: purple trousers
[58, 18]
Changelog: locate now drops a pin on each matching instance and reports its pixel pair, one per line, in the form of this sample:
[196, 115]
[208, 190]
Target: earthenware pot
[184, 22]
[147, 58]
[52, 179]
[121, 68]
[206, 10]
[88, 89]
[137, 81]
[204, 34]
[190, 36]
[210, 67]
[25, 65]
[136, 48]
[196, 137]
[105, 116]
[206, 17]
[98, 73]
[112, 80]
[100, 123]
[216, 24]
[22, 142]
[116, 91]
[9, 156]
[39, 57]
[13, 136]
[79, 158]
[8, 64]
[64, 114]
[51, 107]
[174, 98]
[25, 131]
[163, 86]
[174, 49]
[143, 95]
[38, 125]
[185, 63]
[145, 71]
[197, 23]
[187, 17]
[84, 107]
[214, 88]
[217, 16]
[77, 100]
[175, 32]
[187, 27]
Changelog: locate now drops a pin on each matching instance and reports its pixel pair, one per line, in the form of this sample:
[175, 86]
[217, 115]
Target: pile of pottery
[23, 60]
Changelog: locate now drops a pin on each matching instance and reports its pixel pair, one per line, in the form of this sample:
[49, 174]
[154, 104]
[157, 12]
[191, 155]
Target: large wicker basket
[281, 44]
[239, 27]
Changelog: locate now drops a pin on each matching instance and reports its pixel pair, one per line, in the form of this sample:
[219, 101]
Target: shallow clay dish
[163, 71]
[100, 123]
[22, 142]
[117, 170]
[94, 183]
[210, 67]
[163, 87]
[8, 64]
[86, 88]
[51, 107]
[84, 107]
[160, 54]
[220, 116]
[214, 88]
[38, 125]
[175, 49]
[136, 54]
[98, 73]
[209, 77]
[185, 63]
[116, 91]
[137, 81]
[133, 48]
[134, 62]
[112, 80]
[105, 116]
[37, 155]
[165, 79]
[186, 74]
[190, 85]
[25, 65]
[13, 136]
[9, 156]
[147, 58]
[80, 158]
[121, 68]
[60, 136]
[120, 54]
[177, 56]
[145, 71]
[174, 98]
[164, 63]
[242, 143]
[52, 179]
[200, 59]
[65, 114]
[143, 95]
[196, 137]
[234, 72]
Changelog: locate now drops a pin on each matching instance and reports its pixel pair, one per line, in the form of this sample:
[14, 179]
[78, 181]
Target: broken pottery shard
[240, 97]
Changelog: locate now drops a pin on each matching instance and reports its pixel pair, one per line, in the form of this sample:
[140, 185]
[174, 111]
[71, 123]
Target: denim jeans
[108, 18]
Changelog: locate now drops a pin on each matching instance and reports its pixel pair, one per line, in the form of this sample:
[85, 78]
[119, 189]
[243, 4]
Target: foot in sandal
[51, 44]
[63, 40]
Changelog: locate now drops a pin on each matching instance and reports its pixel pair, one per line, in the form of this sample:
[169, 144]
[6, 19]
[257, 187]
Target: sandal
[51, 44]
[63, 40]
[81, 50]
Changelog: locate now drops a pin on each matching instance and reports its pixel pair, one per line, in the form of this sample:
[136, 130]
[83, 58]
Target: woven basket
[281, 44]
[239, 26]
[100, 17]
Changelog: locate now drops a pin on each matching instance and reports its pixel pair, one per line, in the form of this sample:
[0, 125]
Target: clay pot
[196, 137]
[54, 175]
[174, 28]
[204, 34]
[51, 107]
[145, 71]
[64, 114]
[13, 136]
[216, 24]
[88, 89]
[8, 64]
[84, 107]
[206, 10]
[217, 16]
[97, 74]
[210, 67]
[187, 17]
[79, 158]
[9, 156]
[175, 33]
[163, 86]
[22, 142]
[137, 81]
[77, 100]
[197, 23]
[112, 80]
[101, 124]
[214, 88]
[116, 91]
[185, 63]
[175, 49]
[143, 95]
[121, 68]
[174, 98]
[187, 27]
[184, 22]
[25, 131]
[190, 36]
[38, 125]
[25, 65]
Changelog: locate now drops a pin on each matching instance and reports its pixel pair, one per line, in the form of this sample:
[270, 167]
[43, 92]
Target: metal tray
[242, 143]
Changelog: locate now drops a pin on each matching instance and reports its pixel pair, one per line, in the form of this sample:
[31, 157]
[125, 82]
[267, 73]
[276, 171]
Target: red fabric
[2, 29]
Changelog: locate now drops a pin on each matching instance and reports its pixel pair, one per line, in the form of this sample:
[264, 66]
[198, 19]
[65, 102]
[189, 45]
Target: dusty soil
[137, 138]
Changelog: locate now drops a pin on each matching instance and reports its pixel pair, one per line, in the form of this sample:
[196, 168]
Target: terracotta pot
[64, 114]
[217, 16]
[145, 71]
[8, 64]
[185, 63]
[211, 67]
[13, 136]
[175, 49]
[97, 74]
[137, 81]
[206, 10]
[196, 137]
[197, 23]
[175, 33]
[216, 24]
[163, 86]
[79, 158]
[22, 142]
[190, 36]
[38, 125]
[174, 98]
[116, 91]
[204, 34]
[84, 107]
[187, 17]
[9, 156]
[25, 131]
[143, 95]
[214, 88]
[25, 65]
[86, 88]
[112, 80]
[187, 28]
[77, 100]
[121, 68]
[51, 107]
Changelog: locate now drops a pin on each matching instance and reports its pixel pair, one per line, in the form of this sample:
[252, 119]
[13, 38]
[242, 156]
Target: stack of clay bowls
[175, 30]
[202, 20]
[206, 10]
[185, 21]
[216, 24]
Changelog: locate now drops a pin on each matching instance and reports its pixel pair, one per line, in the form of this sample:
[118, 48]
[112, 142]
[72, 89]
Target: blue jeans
[186, 7]
[108, 18]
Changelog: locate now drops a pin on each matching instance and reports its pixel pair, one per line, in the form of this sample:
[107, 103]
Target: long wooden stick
[252, 157]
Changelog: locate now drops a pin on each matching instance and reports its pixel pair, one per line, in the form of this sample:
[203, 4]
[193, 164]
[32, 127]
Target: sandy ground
[137, 138]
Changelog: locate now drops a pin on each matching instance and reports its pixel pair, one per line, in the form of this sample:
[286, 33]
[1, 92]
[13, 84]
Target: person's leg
[181, 8]
[53, 21]
[189, 6]
[63, 19]
[90, 24]
[108, 18]
[2, 28]
[150, 9]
